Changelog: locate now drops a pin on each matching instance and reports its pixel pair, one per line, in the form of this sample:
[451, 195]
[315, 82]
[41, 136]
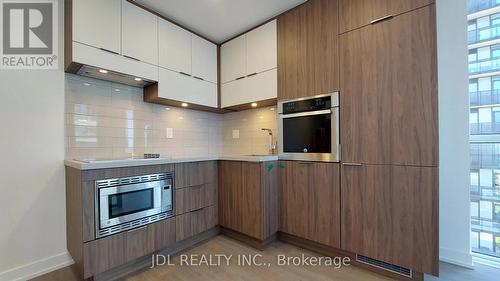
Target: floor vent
[385, 266]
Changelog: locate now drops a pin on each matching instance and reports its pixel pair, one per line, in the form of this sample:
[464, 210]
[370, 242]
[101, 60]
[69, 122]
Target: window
[486, 210]
[474, 117]
[497, 244]
[485, 53]
[484, 124]
[486, 241]
[495, 19]
[474, 182]
[496, 212]
[474, 240]
[495, 51]
[484, 115]
[474, 209]
[473, 85]
[471, 25]
[497, 179]
[472, 55]
[495, 81]
[496, 115]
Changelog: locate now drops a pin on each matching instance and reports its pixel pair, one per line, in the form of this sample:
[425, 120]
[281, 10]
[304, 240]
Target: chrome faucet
[271, 144]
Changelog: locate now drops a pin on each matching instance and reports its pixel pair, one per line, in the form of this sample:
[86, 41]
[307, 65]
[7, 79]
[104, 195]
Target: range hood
[113, 76]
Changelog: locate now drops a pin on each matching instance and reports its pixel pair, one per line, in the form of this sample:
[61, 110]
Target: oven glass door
[125, 203]
[307, 133]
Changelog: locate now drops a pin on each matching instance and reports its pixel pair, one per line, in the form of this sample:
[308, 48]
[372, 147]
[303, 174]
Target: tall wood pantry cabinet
[389, 138]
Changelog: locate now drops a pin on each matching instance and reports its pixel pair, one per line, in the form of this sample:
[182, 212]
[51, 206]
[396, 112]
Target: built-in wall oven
[127, 203]
[309, 128]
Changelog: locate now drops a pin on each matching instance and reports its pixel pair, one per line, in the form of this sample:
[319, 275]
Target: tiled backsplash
[109, 120]
[252, 140]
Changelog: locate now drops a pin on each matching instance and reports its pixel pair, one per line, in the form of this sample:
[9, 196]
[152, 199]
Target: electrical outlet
[170, 133]
[236, 134]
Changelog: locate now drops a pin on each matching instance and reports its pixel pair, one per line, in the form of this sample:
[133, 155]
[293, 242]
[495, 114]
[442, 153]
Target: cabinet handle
[197, 210]
[381, 19]
[109, 51]
[239, 78]
[132, 58]
[199, 78]
[184, 73]
[137, 229]
[352, 164]
[306, 163]
[252, 74]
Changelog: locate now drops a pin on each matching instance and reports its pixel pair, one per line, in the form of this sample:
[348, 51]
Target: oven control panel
[313, 104]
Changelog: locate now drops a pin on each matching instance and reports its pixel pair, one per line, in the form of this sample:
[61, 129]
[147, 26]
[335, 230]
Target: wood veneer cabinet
[390, 213]
[248, 198]
[389, 136]
[195, 197]
[112, 251]
[357, 13]
[195, 220]
[389, 93]
[195, 173]
[310, 201]
[308, 50]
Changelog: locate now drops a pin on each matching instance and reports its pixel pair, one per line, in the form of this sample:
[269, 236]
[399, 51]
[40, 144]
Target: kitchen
[308, 127]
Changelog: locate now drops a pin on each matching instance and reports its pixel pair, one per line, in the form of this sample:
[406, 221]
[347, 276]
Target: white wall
[32, 235]
[454, 229]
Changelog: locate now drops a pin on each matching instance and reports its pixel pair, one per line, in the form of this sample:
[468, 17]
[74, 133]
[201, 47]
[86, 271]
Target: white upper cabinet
[175, 86]
[233, 59]
[204, 55]
[234, 93]
[87, 55]
[139, 33]
[262, 48]
[98, 23]
[204, 93]
[263, 86]
[249, 67]
[174, 47]
[188, 66]
[122, 37]
[253, 52]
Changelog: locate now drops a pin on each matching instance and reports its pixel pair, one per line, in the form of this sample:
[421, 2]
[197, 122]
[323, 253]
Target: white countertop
[120, 163]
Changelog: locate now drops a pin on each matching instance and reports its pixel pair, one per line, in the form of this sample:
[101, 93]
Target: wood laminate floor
[234, 272]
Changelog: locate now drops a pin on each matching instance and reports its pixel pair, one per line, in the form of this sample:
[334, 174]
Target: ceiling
[219, 20]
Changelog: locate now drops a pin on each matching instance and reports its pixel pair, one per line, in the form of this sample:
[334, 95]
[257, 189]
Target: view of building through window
[484, 96]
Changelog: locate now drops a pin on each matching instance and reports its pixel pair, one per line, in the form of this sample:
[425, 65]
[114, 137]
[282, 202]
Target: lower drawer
[194, 198]
[195, 222]
[109, 252]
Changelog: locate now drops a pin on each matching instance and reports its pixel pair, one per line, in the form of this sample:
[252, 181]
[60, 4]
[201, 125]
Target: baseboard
[37, 268]
[250, 241]
[485, 260]
[455, 257]
[144, 263]
[335, 252]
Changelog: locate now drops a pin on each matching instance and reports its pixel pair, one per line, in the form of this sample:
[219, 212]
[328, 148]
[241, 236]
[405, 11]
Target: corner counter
[123, 163]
